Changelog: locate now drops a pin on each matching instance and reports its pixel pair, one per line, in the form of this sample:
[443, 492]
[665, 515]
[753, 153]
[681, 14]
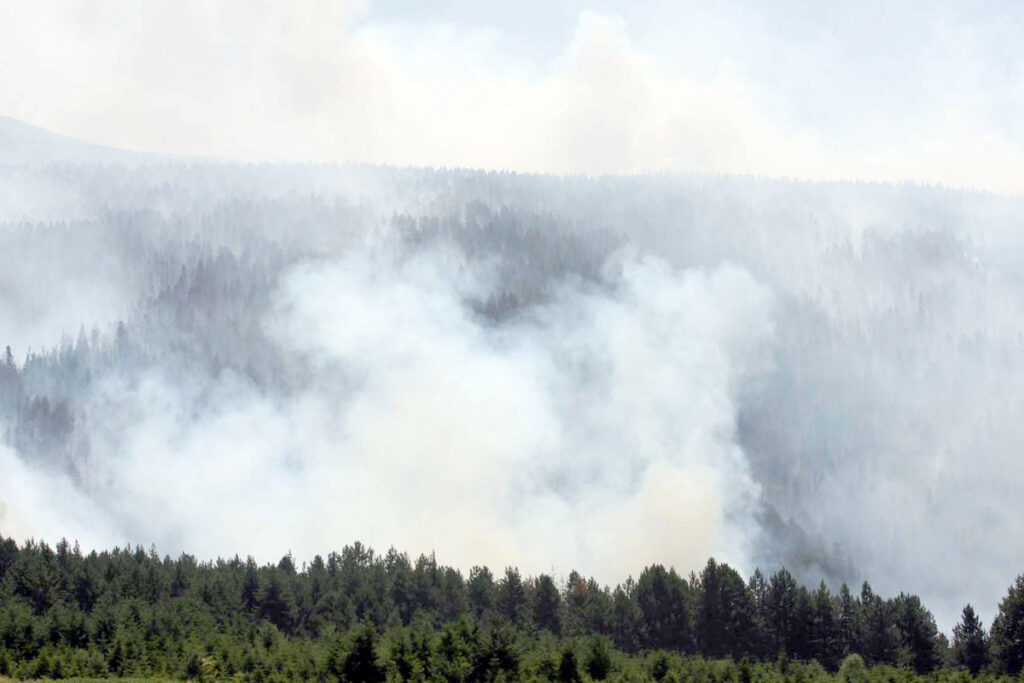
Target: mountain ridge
[25, 143]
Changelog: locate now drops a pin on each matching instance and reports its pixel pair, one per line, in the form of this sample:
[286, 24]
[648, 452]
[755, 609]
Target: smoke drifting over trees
[601, 373]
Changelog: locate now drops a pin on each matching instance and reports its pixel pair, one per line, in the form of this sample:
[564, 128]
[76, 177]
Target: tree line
[130, 612]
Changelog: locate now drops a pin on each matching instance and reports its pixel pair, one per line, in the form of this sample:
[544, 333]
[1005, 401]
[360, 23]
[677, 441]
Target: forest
[359, 615]
[544, 372]
[475, 341]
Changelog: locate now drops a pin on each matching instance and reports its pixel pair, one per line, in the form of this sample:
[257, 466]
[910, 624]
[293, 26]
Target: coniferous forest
[359, 615]
[207, 358]
[477, 341]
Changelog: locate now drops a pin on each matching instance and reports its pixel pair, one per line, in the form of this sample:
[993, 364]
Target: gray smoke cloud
[544, 371]
[598, 431]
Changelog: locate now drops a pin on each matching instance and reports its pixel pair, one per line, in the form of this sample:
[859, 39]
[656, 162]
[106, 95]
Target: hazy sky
[928, 91]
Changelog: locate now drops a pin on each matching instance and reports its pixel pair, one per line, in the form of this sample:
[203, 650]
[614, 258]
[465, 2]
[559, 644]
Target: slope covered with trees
[873, 371]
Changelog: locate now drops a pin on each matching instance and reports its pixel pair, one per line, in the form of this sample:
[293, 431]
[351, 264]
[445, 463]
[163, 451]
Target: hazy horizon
[889, 92]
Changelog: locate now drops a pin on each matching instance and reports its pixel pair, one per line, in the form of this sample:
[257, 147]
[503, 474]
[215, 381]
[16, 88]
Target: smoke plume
[552, 372]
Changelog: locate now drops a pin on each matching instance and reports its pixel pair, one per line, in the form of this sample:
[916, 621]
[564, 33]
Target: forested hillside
[539, 371]
[544, 302]
[362, 616]
[815, 340]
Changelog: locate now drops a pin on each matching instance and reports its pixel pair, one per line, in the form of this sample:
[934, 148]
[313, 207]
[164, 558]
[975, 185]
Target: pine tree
[823, 639]
[918, 634]
[568, 669]
[481, 591]
[250, 585]
[599, 659]
[757, 589]
[970, 645]
[663, 598]
[880, 637]
[781, 611]
[849, 619]
[512, 596]
[547, 603]
[710, 626]
[360, 665]
[627, 618]
[725, 613]
[576, 599]
[276, 601]
[1007, 639]
[427, 583]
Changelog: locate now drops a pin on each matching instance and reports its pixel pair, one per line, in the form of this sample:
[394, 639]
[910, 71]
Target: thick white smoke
[598, 432]
[34, 500]
[312, 367]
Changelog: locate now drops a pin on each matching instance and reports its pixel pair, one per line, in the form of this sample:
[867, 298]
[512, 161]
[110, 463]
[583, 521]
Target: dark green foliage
[664, 606]
[1008, 630]
[275, 599]
[627, 618]
[853, 670]
[481, 591]
[781, 615]
[746, 671]
[512, 596]
[499, 653]
[970, 645]
[849, 625]
[757, 590]
[360, 664]
[453, 598]
[880, 639]
[599, 659]
[918, 634]
[8, 551]
[568, 669]
[659, 666]
[725, 617]
[547, 604]
[359, 616]
[824, 641]
[588, 608]
[251, 585]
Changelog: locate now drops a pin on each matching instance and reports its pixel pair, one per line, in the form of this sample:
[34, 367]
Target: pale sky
[924, 91]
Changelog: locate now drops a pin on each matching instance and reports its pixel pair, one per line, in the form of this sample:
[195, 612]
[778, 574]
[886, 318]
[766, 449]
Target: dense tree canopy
[363, 616]
[199, 255]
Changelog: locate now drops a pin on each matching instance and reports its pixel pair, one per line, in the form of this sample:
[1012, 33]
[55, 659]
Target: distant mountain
[23, 143]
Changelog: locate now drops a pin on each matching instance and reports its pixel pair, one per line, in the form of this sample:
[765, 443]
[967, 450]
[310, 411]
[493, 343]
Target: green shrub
[853, 670]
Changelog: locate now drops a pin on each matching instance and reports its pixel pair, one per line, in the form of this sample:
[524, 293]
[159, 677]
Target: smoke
[36, 501]
[40, 303]
[900, 92]
[597, 431]
[542, 371]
